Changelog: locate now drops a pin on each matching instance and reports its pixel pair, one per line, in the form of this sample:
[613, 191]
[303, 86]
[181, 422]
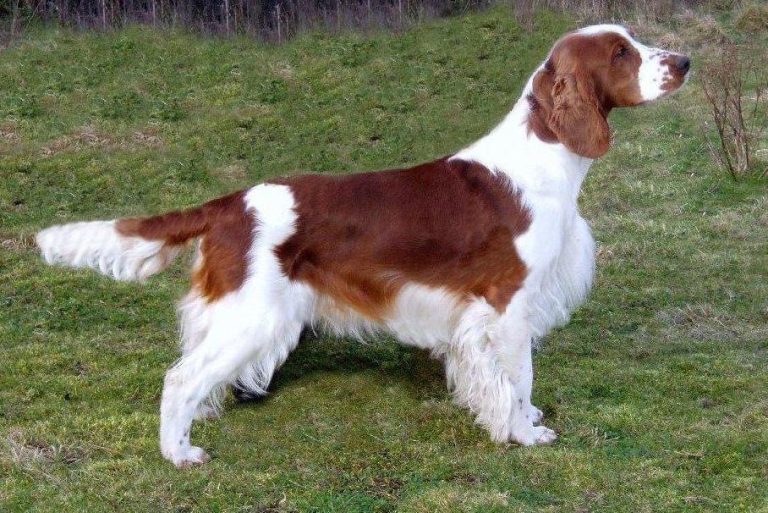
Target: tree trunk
[104, 13]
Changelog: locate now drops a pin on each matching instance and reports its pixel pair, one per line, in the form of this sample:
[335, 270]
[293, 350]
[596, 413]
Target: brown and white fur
[472, 257]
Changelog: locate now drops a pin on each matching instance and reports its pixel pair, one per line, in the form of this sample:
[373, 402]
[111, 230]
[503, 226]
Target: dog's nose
[683, 63]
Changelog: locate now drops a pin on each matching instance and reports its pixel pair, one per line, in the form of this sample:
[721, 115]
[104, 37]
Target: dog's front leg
[488, 366]
[511, 338]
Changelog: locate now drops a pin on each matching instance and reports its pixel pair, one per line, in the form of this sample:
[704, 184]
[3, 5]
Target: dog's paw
[535, 414]
[535, 435]
[543, 435]
[191, 457]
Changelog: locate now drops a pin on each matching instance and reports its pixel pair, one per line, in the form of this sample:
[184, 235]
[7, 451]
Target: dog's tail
[126, 249]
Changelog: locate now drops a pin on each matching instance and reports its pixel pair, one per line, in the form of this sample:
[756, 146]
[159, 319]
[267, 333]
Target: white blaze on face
[653, 72]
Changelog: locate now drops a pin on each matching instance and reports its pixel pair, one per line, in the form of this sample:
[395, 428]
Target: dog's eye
[623, 51]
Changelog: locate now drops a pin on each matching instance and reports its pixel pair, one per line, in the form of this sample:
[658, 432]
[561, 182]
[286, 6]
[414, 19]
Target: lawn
[658, 387]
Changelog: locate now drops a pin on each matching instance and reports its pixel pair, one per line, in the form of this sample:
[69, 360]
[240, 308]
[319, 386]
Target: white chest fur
[557, 286]
[558, 248]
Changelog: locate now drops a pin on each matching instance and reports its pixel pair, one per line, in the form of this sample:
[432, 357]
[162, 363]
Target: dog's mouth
[673, 87]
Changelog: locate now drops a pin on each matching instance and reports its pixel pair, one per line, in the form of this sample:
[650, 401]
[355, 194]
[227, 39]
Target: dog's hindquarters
[242, 335]
[242, 316]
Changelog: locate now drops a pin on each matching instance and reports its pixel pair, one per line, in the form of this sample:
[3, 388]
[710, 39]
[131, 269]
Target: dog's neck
[514, 149]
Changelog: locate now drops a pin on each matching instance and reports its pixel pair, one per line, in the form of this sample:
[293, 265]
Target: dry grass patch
[30, 454]
[89, 136]
[148, 136]
[283, 70]
[232, 173]
[84, 137]
[753, 417]
[730, 224]
[704, 322]
[753, 18]
[9, 131]
[671, 41]
[17, 244]
[699, 29]
[604, 254]
[760, 207]
[741, 224]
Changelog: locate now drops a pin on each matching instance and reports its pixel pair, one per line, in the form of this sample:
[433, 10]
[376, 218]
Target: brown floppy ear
[576, 117]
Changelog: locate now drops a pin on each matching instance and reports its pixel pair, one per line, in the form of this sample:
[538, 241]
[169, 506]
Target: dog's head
[589, 72]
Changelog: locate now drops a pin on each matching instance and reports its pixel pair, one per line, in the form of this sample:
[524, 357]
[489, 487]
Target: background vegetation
[658, 387]
[282, 19]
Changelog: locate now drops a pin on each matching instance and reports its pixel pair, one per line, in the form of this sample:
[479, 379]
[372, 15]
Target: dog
[473, 256]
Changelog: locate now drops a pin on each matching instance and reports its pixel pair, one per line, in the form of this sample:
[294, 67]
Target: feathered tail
[125, 249]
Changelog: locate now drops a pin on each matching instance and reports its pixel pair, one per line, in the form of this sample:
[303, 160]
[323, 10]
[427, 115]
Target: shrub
[735, 84]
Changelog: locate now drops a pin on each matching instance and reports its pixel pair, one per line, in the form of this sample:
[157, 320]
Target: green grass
[658, 387]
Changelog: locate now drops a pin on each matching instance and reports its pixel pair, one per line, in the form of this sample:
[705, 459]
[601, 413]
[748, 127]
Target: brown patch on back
[360, 238]
[227, 232]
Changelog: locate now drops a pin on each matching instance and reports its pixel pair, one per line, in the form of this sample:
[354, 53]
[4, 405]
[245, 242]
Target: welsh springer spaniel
[472, 256]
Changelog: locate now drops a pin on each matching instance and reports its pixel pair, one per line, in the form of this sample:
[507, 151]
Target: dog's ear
[576, 117]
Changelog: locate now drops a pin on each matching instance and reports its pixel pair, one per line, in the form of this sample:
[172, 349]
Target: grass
[658, 387]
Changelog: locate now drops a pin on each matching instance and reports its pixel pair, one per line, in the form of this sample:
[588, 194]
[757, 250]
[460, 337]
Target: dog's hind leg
[240, 332]
[254, 378]
[195, 317]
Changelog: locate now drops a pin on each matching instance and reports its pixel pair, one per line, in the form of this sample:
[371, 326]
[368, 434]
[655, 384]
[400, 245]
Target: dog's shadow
[422, 376]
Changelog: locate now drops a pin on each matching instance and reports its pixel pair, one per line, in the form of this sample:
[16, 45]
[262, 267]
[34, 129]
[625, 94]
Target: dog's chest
[562, 269]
